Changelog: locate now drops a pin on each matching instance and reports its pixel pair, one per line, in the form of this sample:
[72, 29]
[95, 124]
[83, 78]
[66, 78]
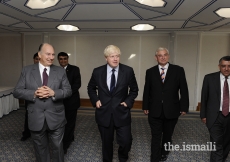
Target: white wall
[198, 53]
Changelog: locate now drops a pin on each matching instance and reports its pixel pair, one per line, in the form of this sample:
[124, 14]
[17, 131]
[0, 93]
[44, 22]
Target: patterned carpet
[87, 144]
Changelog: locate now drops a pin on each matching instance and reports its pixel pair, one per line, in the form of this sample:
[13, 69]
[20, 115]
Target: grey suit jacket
[50, 109]
[210, 98]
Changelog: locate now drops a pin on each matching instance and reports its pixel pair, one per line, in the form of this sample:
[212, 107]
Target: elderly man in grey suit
[44, 86]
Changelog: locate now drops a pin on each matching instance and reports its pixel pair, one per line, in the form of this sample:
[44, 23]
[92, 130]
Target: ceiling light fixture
[41, 4]
[152, 3]
[68, 28]
[142, 27]
[223, 12]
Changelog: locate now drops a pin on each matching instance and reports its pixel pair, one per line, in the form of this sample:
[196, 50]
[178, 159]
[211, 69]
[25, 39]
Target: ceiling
[114, 16]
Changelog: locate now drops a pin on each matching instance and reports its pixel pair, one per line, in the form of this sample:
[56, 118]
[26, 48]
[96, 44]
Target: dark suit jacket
[210, 98]
[74, 77]
[165, 96]
[126, 91]
[39, 110]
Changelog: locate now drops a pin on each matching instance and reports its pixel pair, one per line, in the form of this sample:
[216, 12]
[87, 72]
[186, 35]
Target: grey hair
[162, 49]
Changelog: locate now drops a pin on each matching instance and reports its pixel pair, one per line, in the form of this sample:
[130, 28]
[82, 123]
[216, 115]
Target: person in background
[71, 103]
[26, 133]
[165, 98]
[112, 90]
[215, 109]
[44, 86]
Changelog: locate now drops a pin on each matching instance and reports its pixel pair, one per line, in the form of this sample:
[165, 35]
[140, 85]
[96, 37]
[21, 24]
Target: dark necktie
[225, 106]
[45, 77]
[113, 81]
[162, 75]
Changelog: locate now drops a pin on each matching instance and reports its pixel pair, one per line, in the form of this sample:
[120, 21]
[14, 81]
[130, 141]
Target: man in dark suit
[44, 86]
[26, 133]
[112, 90]
[71, 103]
[215, 109]
[162, 102]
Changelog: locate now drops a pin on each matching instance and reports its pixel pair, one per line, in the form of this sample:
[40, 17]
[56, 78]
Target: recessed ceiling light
[41, 4]
[223, 12]
[152, 3]
[142, 27]
[68, 28]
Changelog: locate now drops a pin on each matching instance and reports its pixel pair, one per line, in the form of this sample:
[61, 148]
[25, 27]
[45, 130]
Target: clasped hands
[98, 104]
[44, 92]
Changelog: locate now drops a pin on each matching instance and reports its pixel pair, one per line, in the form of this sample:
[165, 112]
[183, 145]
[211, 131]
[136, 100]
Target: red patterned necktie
[225, 106]
[45, 77]
[162, 75]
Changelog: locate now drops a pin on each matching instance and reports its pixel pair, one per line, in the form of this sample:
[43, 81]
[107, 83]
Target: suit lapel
[157, 73]
[52, 75]
[36, 74]
[169, 72]
[104, 79]
[120, 77]
[217, 84]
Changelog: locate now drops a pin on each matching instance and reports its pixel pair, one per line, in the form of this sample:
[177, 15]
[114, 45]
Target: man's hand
[44, 92]
[183, 113]
[98, 104]
[146, 112]
[124, 104]
[203, 120]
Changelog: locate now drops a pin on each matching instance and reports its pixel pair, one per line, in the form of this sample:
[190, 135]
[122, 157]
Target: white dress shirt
[41, 69]
[109, 73]
[165, 68]
[222, 79]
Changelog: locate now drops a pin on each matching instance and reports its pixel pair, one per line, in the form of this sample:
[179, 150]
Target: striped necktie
[162, 75]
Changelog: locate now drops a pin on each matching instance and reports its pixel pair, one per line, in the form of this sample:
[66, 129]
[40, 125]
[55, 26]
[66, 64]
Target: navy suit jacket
[126, 90]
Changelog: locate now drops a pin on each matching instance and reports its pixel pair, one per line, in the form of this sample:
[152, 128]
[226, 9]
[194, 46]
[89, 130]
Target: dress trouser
[71, 116]
[26, 132]
[162, 131]
[123, 137]
[220, 134]
[41, 144]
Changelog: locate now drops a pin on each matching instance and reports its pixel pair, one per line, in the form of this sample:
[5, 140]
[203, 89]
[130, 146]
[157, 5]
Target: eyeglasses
[62, 59]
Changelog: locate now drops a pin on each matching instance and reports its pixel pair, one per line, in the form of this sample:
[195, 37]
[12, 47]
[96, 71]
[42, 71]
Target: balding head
[46, 54]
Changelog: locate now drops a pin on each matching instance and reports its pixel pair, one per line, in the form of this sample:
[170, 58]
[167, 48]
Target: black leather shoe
[164, 157]
[65, 151]
[24, 138]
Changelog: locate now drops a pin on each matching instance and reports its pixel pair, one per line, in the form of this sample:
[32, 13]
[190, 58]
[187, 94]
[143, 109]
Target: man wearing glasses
[71, 103]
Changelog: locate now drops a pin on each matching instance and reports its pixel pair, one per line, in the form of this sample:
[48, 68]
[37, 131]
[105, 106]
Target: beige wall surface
[11, 59]
[198, 53]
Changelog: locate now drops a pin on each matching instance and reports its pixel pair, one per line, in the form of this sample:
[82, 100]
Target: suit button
[44, 101]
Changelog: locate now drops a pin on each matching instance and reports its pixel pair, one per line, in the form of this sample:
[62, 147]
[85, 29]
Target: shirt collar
[165, 67]
[41, 67]
[222, 76]
[109, 68]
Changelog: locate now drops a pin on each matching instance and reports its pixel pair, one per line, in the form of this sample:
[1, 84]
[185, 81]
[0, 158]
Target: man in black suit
[215, 109]
[71, 103]
[26, 133]
[162, 102]
[112, 90]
